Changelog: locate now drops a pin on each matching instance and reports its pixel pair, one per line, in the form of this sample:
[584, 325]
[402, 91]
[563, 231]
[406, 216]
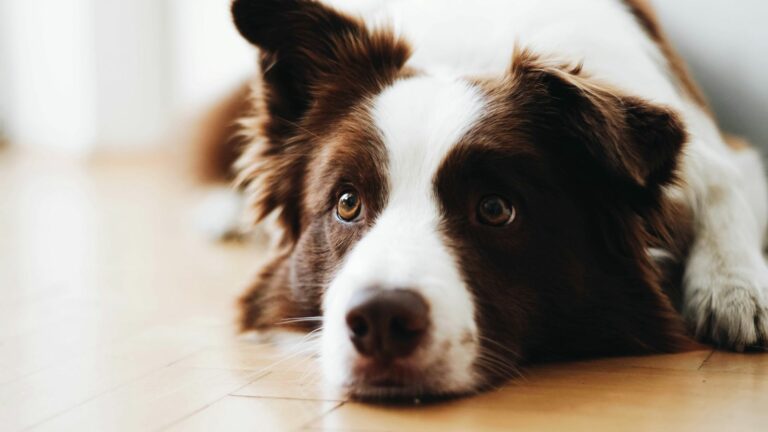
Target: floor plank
[115, 314]
[152, 402]
[46, 394]
[570, 398]
[750, 363]
[305, 385]
[255, 414]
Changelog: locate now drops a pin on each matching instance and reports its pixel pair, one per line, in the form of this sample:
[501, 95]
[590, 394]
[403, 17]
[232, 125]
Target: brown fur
[309, 54]
[737, 143]
[646, 16]
[220, 146]
[574, 278]
[676, 238]
[268, 304]
[220, 142]
[585, 164]
[292, 286]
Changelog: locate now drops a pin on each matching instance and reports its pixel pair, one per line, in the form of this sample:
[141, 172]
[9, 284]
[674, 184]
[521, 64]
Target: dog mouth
[397, 382]
[400, 394]
[396, 392]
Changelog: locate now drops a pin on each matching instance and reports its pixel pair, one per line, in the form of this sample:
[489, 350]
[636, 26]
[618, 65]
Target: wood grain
[116, 315]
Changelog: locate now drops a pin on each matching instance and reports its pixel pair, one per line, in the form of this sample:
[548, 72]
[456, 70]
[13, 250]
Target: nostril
[407, 327]
[361, 332]
[357, 325]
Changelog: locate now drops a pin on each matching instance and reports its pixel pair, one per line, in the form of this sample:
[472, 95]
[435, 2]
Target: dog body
[467, 186]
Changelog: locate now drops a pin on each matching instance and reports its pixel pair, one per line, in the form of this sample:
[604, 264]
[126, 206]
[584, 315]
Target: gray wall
[726, 45]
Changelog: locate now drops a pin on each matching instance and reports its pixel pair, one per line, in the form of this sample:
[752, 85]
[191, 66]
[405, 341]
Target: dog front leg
[726, 278]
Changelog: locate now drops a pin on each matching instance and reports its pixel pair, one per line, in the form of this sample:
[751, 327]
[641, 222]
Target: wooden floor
[115, 314]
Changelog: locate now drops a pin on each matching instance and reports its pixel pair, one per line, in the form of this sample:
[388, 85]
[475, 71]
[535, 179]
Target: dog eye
[495, 211]
[349, 206]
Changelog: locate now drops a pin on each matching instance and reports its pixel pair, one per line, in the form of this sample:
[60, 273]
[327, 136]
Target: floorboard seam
[706, 360]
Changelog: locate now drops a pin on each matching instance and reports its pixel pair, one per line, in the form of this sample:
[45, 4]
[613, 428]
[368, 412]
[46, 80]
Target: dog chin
[396, 391]
[401, 382]
[400, 395]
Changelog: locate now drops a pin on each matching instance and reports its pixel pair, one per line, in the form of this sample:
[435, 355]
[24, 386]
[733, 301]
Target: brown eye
[349, 206]
[495, 211]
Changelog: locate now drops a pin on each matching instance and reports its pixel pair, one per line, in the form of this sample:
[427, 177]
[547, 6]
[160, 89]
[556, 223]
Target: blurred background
[114, 309]
[79, 76]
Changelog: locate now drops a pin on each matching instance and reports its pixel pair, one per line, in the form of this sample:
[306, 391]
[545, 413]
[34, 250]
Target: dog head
[449, 229]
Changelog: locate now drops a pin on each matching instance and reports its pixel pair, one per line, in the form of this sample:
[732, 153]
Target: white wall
[208, 56]
[132, 76]
[82, 75]
[726, 44]
[49, 66]
[86, 75]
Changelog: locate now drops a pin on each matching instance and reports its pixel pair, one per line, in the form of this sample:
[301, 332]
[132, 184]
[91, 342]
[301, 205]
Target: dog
[463, 188]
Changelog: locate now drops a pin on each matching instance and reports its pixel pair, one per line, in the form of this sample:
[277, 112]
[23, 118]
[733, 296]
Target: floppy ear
[632, 141]
[316, 65]
[616, 152]
[310, 51]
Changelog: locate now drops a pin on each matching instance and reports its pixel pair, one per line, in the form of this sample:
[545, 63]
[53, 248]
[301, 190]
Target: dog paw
[729, 311]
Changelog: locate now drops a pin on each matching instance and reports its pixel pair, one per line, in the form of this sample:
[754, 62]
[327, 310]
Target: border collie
[464, 187]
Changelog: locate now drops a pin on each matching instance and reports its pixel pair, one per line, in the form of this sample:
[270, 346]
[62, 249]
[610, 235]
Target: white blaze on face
[420, 120]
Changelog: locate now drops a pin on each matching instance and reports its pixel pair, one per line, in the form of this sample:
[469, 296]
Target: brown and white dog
[464, 187]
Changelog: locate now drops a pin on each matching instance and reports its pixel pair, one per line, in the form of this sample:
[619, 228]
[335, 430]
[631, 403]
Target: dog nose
[387, 324]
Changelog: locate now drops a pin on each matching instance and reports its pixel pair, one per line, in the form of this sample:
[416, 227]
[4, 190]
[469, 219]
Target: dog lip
[385, 389]
[398, 392]
[385, 374]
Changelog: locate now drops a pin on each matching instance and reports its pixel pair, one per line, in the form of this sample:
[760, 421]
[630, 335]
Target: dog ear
[615, 153]
[316, 65]
[632, 141]
[309, 51]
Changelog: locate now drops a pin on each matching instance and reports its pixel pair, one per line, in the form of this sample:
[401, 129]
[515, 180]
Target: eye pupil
[495, 211]
[349, 206]
[349, 200]
[493, 208]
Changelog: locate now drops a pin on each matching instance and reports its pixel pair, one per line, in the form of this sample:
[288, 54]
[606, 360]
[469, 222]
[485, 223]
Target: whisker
[500, 365]
[500, 345]
[300, 320]
[306, 345]
[497, 364]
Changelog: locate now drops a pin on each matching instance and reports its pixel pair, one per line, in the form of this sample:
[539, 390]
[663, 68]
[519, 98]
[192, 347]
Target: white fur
[727, 278]
[420, 120]
[477, 38]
